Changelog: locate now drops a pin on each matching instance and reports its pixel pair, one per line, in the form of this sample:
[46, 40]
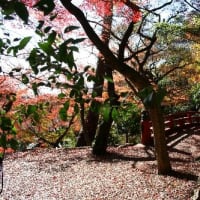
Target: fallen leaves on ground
[126, 173]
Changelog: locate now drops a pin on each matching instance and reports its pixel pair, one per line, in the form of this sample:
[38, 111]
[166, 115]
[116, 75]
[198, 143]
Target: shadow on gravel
[184, 176]
[117, 157]
[179, 151]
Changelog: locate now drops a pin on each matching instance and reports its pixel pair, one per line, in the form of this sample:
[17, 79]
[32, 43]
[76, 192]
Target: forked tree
[91, 122]
[136, 77]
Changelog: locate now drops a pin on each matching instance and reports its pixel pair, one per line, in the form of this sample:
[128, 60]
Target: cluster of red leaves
[104, 8]
[29, 3]
[136, 16]
[124, 8]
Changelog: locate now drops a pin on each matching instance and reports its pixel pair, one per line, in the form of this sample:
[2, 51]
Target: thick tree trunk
[162, 156]
[92, 117]
[90, 123]
[101, 140]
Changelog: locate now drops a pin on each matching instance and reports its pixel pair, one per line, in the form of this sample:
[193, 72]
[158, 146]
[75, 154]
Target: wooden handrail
[173, 122]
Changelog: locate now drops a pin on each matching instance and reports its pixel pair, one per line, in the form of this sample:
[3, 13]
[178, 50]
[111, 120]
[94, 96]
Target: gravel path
[126, 173]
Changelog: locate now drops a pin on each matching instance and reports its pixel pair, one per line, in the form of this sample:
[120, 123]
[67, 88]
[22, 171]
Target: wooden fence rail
[173, 123]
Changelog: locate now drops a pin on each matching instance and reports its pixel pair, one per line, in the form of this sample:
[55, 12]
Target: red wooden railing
[173, 123]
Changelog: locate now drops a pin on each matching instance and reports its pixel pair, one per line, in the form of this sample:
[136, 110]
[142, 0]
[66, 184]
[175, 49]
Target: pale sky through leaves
[84, 57]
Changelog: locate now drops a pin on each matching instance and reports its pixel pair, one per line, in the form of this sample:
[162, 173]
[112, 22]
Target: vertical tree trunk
[92, 117]
[162, 156]
[101, 140]
[89, 125]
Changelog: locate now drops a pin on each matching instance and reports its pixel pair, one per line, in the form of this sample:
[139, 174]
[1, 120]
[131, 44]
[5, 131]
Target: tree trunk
[90, 123]
[137, 79]
[101, 140]
[162, 156]
[92, 117]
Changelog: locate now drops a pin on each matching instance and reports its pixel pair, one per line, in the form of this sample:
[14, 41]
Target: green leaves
[21, 11]
[31, 109]
[46, 6]
[10, 7]
[70, 28]
[109, 79]
[33, 112]
[5, 123]
[115, 114]
[22, 44]
[106, 111]
[169, 32]
[149, 96]
[63, 111]
[52, 37]
[46, 47]
[8, 133]
[25, 79]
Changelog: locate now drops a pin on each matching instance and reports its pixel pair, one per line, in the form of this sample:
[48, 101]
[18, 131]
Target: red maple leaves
[105, 7]
[137, 15]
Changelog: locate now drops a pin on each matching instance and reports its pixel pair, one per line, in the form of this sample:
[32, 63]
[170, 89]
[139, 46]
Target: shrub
[194, 95]
[126, 125]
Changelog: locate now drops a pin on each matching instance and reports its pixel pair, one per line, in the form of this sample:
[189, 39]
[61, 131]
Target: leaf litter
[126, 173]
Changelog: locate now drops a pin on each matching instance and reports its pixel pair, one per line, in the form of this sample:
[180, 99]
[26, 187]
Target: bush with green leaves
[195, 97]
[44, 121]
[126, 125]
[8, 142]
[180, 107]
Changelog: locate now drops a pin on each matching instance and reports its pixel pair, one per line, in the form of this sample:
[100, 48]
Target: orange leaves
[7, 150]
[1, 150]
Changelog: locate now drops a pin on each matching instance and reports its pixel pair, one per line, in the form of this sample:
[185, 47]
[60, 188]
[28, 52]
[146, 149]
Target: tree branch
[139, 81]
[124, 41]
[160, 7]
[190, 4]
[171, 70]
[60, 138]
[148, 51]
[131, 5]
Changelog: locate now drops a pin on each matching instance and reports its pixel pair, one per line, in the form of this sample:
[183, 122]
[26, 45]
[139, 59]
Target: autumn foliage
[123, 8]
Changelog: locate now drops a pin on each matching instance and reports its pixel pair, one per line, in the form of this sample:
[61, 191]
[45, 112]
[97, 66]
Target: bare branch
[172, 70]
[124, 41]
[160, 7]
[56, 143]
[148, 49]
[191, 5]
